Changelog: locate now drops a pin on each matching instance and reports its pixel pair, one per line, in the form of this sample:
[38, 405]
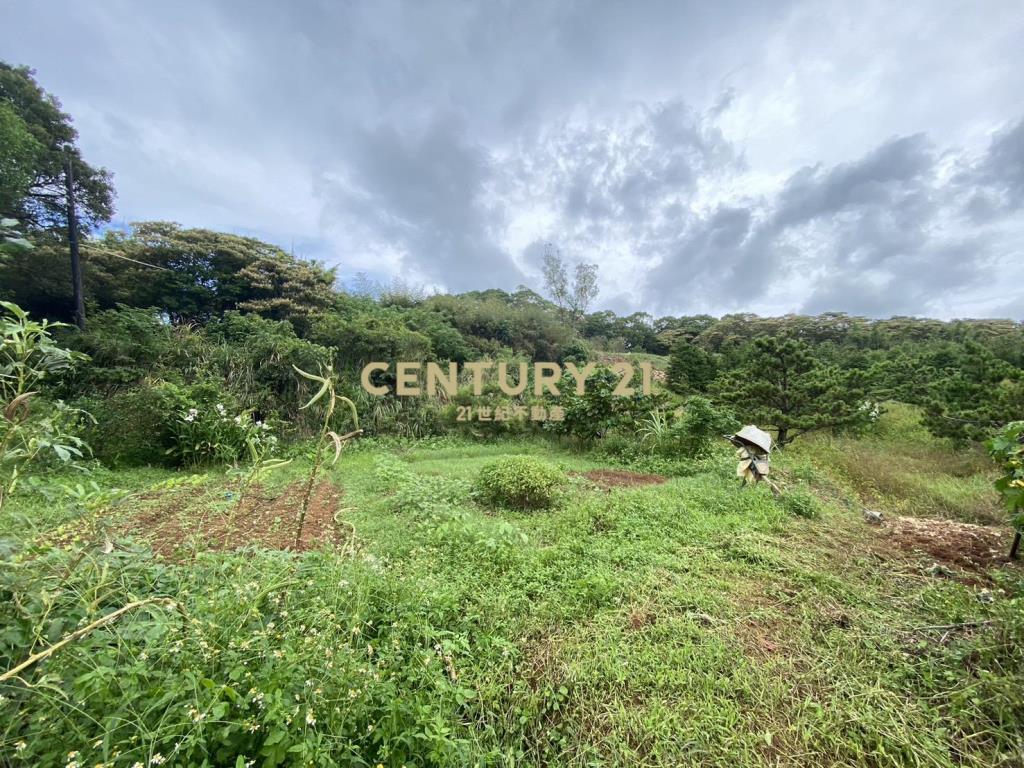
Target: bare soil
[948, 542]
[620, 478]
[259, 521]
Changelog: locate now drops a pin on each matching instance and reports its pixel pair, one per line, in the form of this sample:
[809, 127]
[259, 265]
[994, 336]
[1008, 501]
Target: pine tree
[781, 386]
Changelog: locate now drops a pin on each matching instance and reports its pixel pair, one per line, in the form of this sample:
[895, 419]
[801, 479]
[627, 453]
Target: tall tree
[574, 300]
[782, 386]
[690, 368]
[44, 204]
[64, 191]
[18, 151]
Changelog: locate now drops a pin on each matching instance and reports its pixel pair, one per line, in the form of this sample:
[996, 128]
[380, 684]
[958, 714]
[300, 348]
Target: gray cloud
[769, 157]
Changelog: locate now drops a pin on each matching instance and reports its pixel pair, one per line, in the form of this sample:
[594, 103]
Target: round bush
[522, 482]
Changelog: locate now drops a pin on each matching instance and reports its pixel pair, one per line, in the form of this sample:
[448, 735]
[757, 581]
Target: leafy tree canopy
[41, 203]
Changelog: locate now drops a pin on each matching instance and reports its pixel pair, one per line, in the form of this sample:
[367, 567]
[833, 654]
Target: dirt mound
[620, 478]
[967, 546]
[259, 521]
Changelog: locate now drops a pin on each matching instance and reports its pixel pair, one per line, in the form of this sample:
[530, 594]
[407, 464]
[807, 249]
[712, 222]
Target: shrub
[799, 500]
[134, 427]
[204, 434]
[701, 424]
[522, 482]
[32, 430]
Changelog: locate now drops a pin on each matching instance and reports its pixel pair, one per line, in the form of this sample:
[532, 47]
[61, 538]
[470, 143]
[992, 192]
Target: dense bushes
[521, 482]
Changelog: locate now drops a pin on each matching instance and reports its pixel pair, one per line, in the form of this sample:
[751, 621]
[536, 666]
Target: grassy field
[684, 622]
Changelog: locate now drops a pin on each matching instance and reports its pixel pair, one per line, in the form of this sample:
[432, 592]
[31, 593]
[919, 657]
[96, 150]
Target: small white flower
[310, 719]
[220, 409]
[156, 759]
[19, 746]
[238, 419]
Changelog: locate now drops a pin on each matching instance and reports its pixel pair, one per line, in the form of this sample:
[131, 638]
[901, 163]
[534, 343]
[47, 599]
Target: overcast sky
[772, 157]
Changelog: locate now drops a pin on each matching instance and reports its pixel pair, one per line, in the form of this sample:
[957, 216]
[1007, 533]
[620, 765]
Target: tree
[18, 151]
[64, 190]
[280, 288]
[43, 203]
[972, 393]
[690, 368]
[782, 386]
[575, 300]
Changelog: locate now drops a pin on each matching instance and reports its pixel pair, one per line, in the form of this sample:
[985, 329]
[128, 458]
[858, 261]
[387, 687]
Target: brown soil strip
[620, 478]
[268, 523]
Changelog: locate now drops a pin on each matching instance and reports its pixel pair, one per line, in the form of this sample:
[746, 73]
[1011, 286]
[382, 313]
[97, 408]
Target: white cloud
[705, 155]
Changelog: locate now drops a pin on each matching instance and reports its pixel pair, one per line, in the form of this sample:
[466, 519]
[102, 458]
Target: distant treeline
[195, 308]
[179, 319]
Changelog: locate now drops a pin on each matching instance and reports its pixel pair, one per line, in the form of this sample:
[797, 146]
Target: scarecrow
[752, 448]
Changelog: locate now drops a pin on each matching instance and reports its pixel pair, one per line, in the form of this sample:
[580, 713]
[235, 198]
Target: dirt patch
[963, 545]
[179, 526]
[640, 618]
[620, 478]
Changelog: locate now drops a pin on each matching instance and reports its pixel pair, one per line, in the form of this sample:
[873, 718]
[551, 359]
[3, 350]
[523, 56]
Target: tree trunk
[782, 436]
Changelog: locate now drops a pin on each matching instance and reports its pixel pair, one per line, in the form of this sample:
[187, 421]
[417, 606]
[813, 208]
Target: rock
[873, 517]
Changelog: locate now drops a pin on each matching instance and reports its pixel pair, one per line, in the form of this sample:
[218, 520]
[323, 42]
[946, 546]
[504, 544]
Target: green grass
[899, 468]
[689, 623]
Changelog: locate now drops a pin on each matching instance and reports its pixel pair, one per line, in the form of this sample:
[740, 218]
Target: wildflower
[191, 415]
[19, 745]
[195, 714]
[156, 759]
[137, 764]
[238, 419]
[220, 409]
[310, 719]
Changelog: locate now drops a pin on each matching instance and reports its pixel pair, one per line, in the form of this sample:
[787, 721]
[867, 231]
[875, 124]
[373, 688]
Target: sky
[734, 156]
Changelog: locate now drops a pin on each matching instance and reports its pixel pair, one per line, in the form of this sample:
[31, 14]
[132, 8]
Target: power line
[134, 261]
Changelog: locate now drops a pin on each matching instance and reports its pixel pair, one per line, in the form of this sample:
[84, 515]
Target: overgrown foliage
[32, 431]
[1007, 449]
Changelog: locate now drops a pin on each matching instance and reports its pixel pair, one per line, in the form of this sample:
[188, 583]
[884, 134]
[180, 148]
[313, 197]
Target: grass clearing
[688, 622]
